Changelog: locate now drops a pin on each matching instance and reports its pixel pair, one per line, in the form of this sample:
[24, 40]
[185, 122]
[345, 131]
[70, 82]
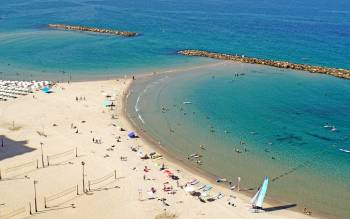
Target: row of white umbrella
[13, 89]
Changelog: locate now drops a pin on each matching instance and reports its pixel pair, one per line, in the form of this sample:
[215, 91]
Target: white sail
[259, 197]
[253, 200]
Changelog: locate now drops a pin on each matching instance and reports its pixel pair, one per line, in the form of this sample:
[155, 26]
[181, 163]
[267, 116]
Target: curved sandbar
[93, 29]
[341, 73]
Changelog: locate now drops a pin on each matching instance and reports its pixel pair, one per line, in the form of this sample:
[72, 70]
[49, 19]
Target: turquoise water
[313, 31]
[280, 117]
[277, 113]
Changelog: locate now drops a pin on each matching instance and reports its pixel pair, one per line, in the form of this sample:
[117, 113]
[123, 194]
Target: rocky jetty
[93, 29]
[341, 73]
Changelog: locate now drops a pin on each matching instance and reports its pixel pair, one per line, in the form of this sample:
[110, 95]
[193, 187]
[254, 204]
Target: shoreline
[244, 193]
[62, 109]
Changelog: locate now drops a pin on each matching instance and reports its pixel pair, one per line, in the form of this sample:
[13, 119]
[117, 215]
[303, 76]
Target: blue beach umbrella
[46, 90]
[132, 135]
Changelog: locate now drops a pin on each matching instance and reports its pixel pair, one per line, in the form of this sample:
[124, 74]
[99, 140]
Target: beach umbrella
[168, 173]
[189, 189]
[204, 194]
[46, 90]
[132, 135]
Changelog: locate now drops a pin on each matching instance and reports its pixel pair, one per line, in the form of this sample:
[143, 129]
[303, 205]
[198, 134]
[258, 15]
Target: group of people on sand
[80, 99]
[97, 140]
[307, 211]
[72, 126]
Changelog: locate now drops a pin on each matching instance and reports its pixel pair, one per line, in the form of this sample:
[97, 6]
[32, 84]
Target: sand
[53, 120]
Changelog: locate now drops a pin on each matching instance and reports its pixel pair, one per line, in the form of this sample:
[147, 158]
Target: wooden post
[45, 202]
[37, 164]
[48, 162]
[77, 189]
[42, 155]
[30, 208]
[89, 185]
[35, 198]
[0, 174]
[238, 183]
[115, 174]
[76, 151]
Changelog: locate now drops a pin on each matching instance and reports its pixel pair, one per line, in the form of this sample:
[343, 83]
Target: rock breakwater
[93, 29]
[341, 73]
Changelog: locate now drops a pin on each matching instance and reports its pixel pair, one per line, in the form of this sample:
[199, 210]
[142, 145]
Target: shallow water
[278, 114]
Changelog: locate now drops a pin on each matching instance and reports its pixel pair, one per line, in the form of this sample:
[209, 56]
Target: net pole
[30, 208]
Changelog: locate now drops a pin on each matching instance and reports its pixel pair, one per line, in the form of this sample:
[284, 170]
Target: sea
[252, 121]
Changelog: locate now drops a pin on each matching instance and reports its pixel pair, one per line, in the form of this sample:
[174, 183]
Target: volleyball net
[102, 181]
[18, 169]
[62, 157]
[18, 213]
[61, 197]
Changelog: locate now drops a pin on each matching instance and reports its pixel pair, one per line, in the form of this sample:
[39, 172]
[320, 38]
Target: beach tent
[132, 135]
[46, 90]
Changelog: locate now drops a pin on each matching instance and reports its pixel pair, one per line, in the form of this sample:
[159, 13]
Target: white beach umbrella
[189, 189]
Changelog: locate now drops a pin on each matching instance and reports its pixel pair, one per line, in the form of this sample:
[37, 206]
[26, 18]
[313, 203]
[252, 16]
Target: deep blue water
[313, 31]
[285, 108]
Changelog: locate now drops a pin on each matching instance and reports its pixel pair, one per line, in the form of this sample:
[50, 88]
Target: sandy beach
[78, 133]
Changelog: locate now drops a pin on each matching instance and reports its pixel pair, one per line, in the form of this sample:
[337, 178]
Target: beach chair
[194, 182]
[207, 188]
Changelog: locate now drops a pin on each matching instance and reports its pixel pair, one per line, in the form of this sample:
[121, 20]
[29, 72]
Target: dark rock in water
[93, 29]
[337, 72]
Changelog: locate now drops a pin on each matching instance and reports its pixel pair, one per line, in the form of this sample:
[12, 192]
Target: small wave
[346, 151]
[137, 104]
[141, 119]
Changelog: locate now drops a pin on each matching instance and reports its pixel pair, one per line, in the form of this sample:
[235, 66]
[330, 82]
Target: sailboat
[259, 197]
